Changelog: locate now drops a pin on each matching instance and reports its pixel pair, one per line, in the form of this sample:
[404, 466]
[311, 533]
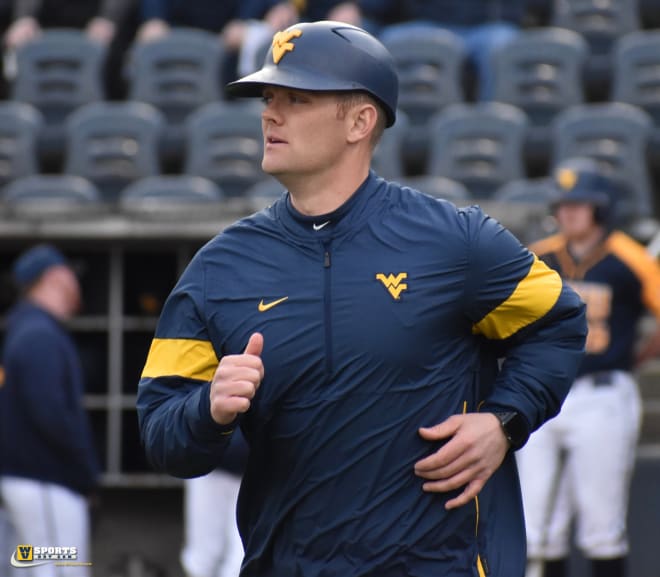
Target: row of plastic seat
[114, 143]
[480, 145]
[56, 197]
[184, 197]
[483, 146]
[542, 70]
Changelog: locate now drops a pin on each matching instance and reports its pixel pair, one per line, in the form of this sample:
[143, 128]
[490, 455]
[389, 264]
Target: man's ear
[363, 119]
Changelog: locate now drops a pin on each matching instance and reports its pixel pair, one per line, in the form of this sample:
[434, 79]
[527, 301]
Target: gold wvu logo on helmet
[282, 43]
[566, 178]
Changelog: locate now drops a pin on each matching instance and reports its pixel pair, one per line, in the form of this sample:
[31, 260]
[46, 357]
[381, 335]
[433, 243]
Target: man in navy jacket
[48, 463]
[352, 330]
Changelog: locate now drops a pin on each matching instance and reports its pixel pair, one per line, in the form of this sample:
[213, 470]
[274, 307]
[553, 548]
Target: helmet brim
[252, 85]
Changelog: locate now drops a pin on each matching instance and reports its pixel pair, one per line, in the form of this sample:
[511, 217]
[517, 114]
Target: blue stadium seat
[388, 158]
[172, 197]
[53, 196]
[177, 74]
[480, 145]
[430, 63]
[224, 143]
[20, 125]
[113, 144]
[58, 72]
[541, 72]
[601, 24]
[616, 134]
[438, 187]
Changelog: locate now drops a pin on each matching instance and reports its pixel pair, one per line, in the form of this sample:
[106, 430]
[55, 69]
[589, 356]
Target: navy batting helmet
[326, 56]
[583, 180]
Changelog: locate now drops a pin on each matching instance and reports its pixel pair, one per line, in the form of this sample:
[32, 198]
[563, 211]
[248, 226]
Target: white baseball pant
[48, 515]
[212, 544]
[579, 464]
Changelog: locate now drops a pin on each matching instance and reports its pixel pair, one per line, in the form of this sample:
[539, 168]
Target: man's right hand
[236, 381]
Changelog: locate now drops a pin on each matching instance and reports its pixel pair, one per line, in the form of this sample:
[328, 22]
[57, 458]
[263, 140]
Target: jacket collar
[354, 212]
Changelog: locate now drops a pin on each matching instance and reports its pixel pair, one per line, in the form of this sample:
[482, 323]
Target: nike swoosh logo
[263, 307]
[320, 226]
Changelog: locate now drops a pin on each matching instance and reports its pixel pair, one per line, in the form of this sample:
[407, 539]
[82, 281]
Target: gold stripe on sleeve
[534, 296]
[188, 358]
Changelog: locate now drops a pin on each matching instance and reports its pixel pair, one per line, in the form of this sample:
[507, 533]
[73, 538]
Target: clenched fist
[236, 381]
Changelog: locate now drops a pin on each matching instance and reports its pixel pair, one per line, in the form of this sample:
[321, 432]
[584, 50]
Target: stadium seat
[601, 24]
[438, 187]
[52, 196]
[637, 71]
[224, 143]
[177, 74]
[263, 193]
[528, 191]
[20, 124]
[172, 197]
[113, 144]
[57, 72]
[388, 159]
[480, 145]
[524, 206]
[637, 82]
[616, 134]
[430, 62]
[540, 71]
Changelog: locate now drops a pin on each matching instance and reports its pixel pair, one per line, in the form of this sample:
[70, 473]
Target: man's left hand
[475, 449]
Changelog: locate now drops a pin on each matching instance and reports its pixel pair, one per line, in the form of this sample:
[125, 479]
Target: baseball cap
[32, 263]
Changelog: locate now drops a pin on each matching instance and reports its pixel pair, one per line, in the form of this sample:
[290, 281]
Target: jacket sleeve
[173, 404]
[523, 308]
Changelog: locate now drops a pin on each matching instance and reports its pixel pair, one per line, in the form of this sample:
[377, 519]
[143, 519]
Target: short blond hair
[347, 100]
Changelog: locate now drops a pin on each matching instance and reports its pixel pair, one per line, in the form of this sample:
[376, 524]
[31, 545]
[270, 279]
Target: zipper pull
[326, 259]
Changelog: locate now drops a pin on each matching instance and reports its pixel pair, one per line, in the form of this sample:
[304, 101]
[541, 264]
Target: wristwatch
[514, 427]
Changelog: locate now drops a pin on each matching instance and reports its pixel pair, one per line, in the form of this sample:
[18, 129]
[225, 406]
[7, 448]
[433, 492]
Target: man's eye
[266, 99]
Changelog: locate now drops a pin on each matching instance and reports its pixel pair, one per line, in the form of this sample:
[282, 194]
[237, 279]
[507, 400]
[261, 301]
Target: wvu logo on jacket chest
[282, 43]
[394, 283]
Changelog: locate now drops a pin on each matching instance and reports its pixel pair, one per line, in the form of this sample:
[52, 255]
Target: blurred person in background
[109, 22]
[48, 462]
[212, 544]
[228, 19]
[99, 18]
[242, 26]
[579, 464]
[255, 35]
[483, 25]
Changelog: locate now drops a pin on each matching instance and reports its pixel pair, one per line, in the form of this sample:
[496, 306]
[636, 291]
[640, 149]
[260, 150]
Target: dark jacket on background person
[211, 15]
[72, 13]
[447, 12]
[44, 430]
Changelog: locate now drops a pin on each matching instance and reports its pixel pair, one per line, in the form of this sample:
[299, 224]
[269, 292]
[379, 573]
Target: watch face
[514, 427]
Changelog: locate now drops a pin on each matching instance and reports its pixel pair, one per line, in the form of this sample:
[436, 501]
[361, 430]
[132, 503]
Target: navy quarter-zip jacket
[389, 317]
